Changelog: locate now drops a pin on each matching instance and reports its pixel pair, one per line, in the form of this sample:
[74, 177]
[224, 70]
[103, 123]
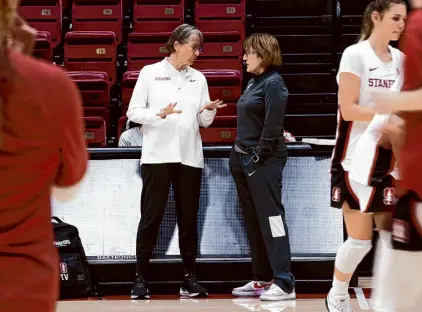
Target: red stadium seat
[146, 48]
[42, 48]
[218, 135]
[44, 15]
[95, 92]
[228, 9]
[217, 15]
[157, 16]
[103, 113]
[91, 51]
[225, 85]
[94, 87]
[222, 44]
[222, 50]
[95, 131]
[221, 26]
[218, 63]
[128, 84]
[224, 121]
[229, 110]
[135, 64]
[98, 15]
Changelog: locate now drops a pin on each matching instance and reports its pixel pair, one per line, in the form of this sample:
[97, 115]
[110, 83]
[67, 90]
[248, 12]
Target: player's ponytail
[380, 6]
[367, 23]
[7, 15]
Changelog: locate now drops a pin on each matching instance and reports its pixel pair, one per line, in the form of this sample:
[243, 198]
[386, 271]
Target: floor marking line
[360, 296]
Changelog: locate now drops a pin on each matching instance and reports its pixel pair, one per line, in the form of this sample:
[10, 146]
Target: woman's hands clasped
[213, 105]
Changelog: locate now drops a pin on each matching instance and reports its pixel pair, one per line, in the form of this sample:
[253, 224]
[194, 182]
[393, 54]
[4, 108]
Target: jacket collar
[169, 68]
[267, 73]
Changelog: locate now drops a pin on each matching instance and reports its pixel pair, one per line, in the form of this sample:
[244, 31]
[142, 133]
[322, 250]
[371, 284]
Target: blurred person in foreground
[42, 151]
[171, 101]
[398, 265]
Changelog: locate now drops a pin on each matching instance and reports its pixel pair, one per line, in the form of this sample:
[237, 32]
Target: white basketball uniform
[376, 76]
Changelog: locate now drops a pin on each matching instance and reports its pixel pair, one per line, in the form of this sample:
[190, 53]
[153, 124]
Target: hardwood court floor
[174, 304]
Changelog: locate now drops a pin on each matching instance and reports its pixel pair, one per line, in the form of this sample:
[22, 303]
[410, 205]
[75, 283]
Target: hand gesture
[392, 138]
[386, 103]
[168, 111]
[213, 105]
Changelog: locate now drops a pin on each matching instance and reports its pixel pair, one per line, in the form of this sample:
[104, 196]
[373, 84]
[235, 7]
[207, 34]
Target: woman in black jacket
[256, 164]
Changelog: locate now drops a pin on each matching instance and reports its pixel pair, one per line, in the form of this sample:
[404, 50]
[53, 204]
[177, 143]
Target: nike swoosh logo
[192, 80]
[250, 174]
[256, 285]
[372, 69]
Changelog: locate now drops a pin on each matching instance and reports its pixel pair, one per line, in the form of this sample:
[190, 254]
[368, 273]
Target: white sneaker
[251, 289]
[342, 305]
[276, 293]
[288, 137]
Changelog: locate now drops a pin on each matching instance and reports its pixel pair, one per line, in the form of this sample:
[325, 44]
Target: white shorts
[397, 279]
[364, 194]
[372, 199]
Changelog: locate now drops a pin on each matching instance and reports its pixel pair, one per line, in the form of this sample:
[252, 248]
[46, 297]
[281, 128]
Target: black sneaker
[191, 287]
[140, 289]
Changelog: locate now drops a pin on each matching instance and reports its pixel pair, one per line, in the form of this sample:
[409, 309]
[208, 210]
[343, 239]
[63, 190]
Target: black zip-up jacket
[260, 116]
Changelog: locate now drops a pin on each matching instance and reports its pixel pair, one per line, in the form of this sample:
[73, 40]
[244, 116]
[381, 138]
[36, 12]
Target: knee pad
[351, 253]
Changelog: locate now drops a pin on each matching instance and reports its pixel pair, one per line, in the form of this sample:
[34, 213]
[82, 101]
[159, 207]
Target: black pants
[157, 179]
[260, 198]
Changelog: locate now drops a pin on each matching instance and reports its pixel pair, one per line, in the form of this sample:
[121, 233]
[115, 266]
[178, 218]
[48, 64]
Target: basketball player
[366, 66]
[398, 270]
[42, 145]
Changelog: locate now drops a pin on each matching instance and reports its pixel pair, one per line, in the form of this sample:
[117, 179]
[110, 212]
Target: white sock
[340, 290]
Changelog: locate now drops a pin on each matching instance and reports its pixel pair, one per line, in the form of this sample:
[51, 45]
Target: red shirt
[42, 144]
[410, 159]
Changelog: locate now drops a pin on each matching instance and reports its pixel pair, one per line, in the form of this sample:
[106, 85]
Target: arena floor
[304, 303]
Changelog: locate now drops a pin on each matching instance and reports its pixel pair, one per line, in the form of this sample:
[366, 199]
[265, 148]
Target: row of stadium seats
[306, 31]
[96, 32]
[148, 16]
[223, 84]
[91, 52]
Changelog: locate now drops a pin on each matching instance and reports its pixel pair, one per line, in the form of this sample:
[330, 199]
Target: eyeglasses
[197, 48]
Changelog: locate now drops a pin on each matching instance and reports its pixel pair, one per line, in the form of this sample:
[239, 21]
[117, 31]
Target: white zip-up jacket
[175, 139]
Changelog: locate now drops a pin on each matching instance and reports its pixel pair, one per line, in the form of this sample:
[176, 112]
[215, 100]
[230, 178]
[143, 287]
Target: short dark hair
[181, 34]
[266, 46]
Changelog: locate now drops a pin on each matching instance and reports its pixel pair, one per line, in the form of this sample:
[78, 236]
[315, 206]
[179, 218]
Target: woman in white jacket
[171, 101]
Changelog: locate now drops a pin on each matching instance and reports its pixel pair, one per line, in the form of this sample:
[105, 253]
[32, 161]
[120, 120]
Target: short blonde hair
[266, 46]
